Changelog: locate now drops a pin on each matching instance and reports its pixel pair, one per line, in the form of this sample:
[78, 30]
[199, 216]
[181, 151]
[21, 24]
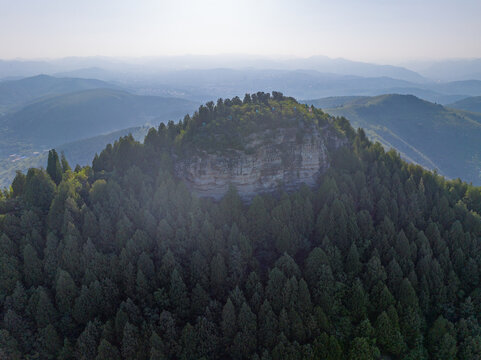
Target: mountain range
[208, 84]
[203, 85]
[44, 111]
[156, 64]
[448, 70]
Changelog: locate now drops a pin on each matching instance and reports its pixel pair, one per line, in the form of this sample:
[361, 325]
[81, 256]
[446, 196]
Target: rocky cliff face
[286, 157]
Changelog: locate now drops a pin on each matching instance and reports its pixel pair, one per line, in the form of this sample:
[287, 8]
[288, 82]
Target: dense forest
[120, 261]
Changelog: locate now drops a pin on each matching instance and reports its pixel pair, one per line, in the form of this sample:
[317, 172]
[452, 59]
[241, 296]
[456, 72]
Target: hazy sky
[372, 30]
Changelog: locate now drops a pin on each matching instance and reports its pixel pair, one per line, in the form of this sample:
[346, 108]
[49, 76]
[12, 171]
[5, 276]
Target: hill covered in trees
[14, 93]
[429, 134]
[120, 261]
[69, 117]
[472, 104]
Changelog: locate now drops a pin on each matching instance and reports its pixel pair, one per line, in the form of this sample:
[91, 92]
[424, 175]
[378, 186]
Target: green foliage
[107, 351]
[380, 259]
[65, 165]
[39, 189]
[229, 122]
[54, 169]
[18, 184]
[473, 198]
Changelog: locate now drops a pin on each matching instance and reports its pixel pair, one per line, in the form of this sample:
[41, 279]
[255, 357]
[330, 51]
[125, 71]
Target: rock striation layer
[273, 159]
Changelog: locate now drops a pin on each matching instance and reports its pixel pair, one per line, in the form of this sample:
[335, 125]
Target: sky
[366, 30]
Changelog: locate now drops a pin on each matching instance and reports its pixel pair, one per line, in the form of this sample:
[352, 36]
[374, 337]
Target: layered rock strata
[273, 159]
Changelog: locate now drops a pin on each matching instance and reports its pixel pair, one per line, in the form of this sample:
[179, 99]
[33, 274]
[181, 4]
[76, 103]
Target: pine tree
[129, 342]
[156, 347]
[67, 351]
[361, 349]
[218, 274]
[189, 343]
[65, 165]
[88, 340]
[8, 346]
[229, 321]
[33, 266]
[39, 189]
[245, 341]
[106, 351]
[178, 294]
[45, 311]
[267, 325]
[441, 341]
[54, 169]
[18, 184]
[388, 335]
[50, 341]
[66, 292]
[353, 264]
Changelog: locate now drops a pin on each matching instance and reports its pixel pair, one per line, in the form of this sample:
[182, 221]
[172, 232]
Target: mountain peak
[260, 144]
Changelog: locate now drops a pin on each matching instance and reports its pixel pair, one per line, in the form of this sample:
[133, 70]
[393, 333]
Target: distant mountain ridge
[203, 78]
[208, 84]
[168, 63]
[349, 67]
[449, 69]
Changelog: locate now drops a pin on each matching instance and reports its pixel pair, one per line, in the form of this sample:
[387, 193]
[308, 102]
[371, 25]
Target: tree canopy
[120, 260]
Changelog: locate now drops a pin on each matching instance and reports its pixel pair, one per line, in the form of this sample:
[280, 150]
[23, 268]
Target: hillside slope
[428, 134]
[78, 152]
[472, 104]
[69, 117]
[17, 92]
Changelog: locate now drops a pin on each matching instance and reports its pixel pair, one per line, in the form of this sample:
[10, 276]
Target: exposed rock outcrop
[286, 157]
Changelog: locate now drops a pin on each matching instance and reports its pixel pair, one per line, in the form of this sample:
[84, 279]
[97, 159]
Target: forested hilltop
[120, 261]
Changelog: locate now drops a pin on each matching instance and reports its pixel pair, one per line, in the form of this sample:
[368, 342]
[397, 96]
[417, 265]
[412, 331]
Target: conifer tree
[54, 169]
[63, 161]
